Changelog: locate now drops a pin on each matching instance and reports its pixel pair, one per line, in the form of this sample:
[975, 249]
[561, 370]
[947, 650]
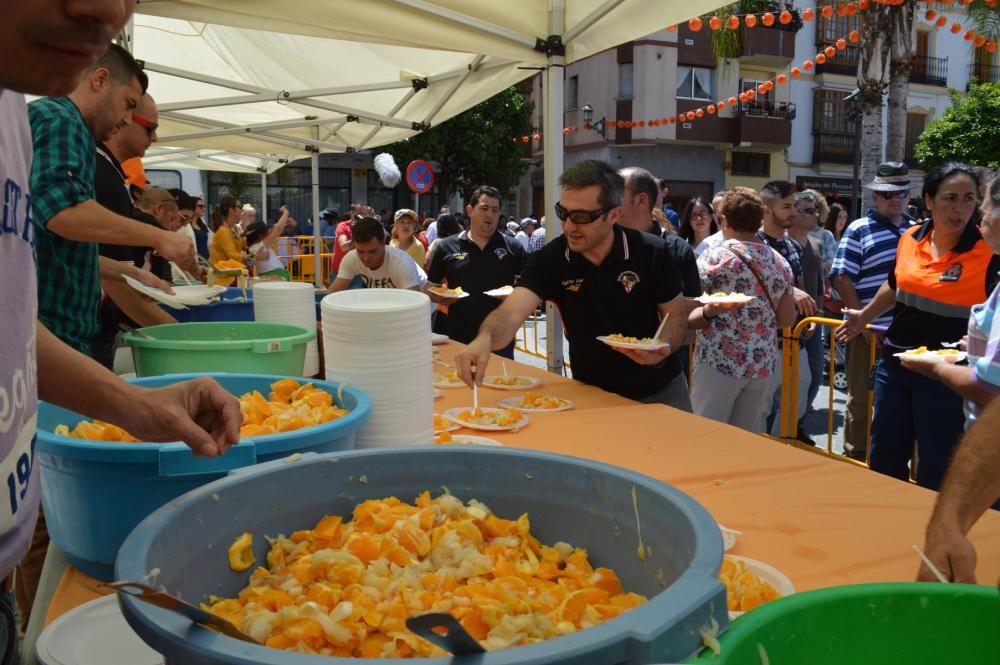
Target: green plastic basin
[239, 347]
[912, 623]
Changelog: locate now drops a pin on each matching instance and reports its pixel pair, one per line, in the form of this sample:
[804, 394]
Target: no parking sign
[419, 176]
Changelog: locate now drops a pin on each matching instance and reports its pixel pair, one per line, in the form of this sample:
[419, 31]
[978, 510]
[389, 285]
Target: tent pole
[317, 242]
[552, 126]
[263, 192]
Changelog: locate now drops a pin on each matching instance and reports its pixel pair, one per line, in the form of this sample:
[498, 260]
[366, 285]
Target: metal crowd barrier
[788, 414]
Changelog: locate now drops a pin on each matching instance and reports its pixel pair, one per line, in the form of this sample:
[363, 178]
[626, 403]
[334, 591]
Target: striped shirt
[984, 349]
[866, 254]
[62, 176]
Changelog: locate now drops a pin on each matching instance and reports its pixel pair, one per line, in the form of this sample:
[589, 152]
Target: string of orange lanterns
[768, 19]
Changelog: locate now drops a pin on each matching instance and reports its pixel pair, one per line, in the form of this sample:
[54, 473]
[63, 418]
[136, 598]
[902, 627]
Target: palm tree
[874, 60]
[900, 21]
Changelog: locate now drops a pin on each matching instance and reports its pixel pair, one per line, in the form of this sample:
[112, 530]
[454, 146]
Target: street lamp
[855, 114]
[599, 127]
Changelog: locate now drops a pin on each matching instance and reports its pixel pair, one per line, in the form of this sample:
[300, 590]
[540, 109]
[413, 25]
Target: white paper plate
[198, 294]
[766, 573]
[630, 345]
[445, 293]
[931, 357]
[512, 403]
[439, 339]
[449, 384]
[438, 393]
[502, 292]
[450, 428]
[155, 294]
[469, 440]
[534, 382]
[94, 633]
[452, 415]
[739, 298]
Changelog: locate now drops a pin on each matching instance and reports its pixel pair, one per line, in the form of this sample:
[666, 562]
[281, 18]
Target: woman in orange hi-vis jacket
[943, 268]
[225, 244]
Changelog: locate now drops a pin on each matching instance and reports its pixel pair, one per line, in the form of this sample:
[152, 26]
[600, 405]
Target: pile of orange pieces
[346, 589]
[229, 264]
[744, 590]
[289, 407]
[96, 431]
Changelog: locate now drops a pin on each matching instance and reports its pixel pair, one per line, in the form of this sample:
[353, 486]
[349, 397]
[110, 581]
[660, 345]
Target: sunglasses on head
[580, 217]
[901, 194]
[145, 123]
[807, 211]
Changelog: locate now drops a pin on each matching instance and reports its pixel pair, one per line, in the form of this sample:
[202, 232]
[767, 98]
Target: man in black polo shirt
[478, 260]
[605, 279]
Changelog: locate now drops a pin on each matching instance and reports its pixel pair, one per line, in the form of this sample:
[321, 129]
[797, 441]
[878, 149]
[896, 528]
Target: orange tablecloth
[820, 521]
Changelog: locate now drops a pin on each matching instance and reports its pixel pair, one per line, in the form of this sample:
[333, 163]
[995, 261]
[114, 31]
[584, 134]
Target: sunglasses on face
[888, 196]
[580, 217]
[699, 213]
[145, 123]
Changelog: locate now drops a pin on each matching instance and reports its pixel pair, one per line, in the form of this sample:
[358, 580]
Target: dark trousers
[911, 406]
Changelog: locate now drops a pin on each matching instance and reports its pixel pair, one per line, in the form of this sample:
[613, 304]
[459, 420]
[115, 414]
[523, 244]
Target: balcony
[710, 128]
[930, 71]
[763, 122]
[834, 148]
[983, 73]
[767, 46]
[694, 49]
[844, 62]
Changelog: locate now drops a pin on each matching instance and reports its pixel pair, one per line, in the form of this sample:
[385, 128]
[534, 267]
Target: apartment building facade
[824, 141]
[657, 77]
[801, 131]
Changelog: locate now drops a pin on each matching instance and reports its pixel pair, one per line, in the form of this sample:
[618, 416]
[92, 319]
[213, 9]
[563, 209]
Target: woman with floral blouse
[737, 347]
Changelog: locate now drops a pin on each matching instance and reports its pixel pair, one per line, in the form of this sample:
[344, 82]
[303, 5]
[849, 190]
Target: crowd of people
[623, 263]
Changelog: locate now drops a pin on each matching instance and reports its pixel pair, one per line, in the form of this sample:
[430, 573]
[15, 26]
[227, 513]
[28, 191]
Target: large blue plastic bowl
[233, 305]
[94, 493]
[584, 503]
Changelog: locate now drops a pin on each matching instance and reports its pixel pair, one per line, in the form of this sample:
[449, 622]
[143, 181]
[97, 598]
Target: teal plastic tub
[94, 493]
[914, 623]
[587, 504]
[234, 346]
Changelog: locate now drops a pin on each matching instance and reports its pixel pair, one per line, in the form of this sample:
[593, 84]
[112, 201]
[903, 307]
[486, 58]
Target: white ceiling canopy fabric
[280, 80]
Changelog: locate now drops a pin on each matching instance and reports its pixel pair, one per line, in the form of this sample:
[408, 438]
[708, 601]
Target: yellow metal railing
[788, 414]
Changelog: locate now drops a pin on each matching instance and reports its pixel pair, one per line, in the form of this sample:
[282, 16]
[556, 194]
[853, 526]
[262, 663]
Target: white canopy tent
[281, 80]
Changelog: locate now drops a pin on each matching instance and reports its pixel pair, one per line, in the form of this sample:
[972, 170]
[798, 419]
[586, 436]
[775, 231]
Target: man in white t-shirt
[378, 266]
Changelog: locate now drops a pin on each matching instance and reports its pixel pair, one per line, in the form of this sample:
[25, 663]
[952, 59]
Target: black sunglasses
[580, 217]
[901, 194]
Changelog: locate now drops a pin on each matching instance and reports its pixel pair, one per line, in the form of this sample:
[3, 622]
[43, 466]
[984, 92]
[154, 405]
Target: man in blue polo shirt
[865, 256]
[605, 279]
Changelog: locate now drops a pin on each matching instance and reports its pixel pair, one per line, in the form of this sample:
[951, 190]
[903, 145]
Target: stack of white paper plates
[377, 339]
[292, 303]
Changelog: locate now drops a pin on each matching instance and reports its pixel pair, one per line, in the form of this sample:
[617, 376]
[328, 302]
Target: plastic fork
[441, 629]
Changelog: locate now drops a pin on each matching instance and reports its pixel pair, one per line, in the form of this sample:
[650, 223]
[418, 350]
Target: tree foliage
[475, 147]
[968, 131]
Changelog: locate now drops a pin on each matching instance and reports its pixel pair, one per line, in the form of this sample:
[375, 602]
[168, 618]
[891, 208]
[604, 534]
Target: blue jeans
[910, 406]
[8, 629]
[814, 351]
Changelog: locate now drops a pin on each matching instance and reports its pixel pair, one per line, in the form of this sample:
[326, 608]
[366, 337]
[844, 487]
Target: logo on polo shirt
[572, 285]
[628, 280]
[500, 252]
[458, 257]
[953, 274]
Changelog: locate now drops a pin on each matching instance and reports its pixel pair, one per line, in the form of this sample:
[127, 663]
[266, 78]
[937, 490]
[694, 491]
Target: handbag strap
[756, 274]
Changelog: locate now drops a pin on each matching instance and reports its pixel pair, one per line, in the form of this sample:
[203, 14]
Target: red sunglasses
[145, 123]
